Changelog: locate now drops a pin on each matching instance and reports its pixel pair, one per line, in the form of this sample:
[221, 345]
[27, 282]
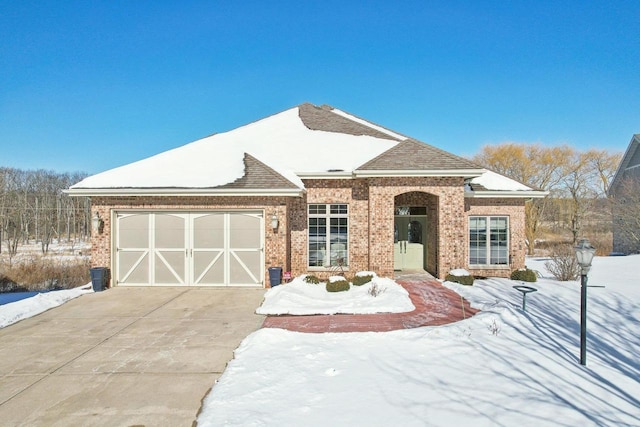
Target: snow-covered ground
[16, 311]
[301, 298]
[502, 367]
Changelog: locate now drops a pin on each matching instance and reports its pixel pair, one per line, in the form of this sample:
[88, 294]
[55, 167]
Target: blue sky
[87, 86]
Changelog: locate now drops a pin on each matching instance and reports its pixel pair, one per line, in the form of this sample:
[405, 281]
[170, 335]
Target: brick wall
[514, 209]
[372, 205]
[354, 194]
[445, 204]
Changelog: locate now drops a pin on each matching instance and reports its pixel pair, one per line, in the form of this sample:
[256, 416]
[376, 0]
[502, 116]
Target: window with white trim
[328, 235]
[488, 240]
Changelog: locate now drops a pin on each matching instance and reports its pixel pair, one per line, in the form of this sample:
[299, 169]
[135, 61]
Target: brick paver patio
[435, 305]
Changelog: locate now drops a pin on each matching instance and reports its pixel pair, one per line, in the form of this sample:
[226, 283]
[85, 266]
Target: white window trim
[488, 247]
[328, 215]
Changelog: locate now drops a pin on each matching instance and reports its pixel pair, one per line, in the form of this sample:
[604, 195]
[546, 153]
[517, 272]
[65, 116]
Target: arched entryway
[415, 240]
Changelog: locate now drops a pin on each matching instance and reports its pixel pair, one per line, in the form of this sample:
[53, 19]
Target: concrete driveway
[122, 357]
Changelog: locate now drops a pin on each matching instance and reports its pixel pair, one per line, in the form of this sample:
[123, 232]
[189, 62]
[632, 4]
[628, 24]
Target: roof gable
[257, 175]
[413, 155]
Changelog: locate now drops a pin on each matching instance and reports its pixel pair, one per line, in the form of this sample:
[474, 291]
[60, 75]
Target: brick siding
[372, 205]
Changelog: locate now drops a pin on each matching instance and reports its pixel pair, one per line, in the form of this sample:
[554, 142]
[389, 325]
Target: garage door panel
[170, 231]
[245, 231]
[208, 231]
[133, 266]
[169, 268]
[245, 268]
[133, 231]
[208, 268]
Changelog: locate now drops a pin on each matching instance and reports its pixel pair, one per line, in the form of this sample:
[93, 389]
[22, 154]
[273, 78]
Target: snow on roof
[496, 182]
[281, 141]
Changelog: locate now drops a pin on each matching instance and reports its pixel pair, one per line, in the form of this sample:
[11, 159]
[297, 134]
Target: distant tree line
[577, 181]
[33, 208]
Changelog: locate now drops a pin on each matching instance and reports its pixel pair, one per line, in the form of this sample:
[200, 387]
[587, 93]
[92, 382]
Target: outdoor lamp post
[584, 254]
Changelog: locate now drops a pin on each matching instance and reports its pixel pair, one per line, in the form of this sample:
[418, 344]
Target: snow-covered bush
[310, 278]
[524, 275]
[361, 280]
[337, 285]
[460, 276]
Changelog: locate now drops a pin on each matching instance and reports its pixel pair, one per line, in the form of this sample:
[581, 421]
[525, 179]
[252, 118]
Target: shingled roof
[415, 155]
[257, 175]
[324, 118]
[273, 155]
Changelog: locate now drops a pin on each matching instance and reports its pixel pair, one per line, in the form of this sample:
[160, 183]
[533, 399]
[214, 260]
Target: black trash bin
[99, 278]
[275, 276]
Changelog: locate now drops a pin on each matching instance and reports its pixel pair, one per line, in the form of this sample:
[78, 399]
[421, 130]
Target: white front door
[195, 248]
[409, 243]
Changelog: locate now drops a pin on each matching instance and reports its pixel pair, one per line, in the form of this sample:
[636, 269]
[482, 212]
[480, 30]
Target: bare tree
[32, 205]
[575, 181]
[540, 167]
[579, 191]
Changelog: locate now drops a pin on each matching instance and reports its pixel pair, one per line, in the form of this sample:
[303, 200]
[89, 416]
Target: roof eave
[465, 173]
[158, 192]
[325, 175]
[517, 194]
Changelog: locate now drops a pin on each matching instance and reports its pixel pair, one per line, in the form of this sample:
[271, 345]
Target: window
[488, 240]
[328, 235]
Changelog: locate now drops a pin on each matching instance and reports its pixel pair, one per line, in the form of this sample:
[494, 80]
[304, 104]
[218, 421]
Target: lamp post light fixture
[584, 254]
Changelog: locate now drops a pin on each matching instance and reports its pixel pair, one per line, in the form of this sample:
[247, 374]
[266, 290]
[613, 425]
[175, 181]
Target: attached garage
[208, 248]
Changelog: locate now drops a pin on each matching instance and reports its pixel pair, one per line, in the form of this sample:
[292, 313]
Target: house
[305, 190]
[624, 191]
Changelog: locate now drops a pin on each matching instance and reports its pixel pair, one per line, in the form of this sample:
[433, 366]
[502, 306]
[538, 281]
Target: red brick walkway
[435, 305]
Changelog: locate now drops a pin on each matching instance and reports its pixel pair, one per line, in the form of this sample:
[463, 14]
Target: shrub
[361, 280]
[563, 264]
[39, 274]
[376, 290]
[337, 286]
[310, 278]
[524, 274]
[463, 280]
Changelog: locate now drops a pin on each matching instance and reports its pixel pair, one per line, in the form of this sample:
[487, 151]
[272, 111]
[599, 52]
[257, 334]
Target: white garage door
[195, 248]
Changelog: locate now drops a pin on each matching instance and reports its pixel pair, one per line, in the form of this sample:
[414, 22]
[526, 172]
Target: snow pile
[16, 311]
[459, 272]
[500, 367]
[301, 298]
[493, 181]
